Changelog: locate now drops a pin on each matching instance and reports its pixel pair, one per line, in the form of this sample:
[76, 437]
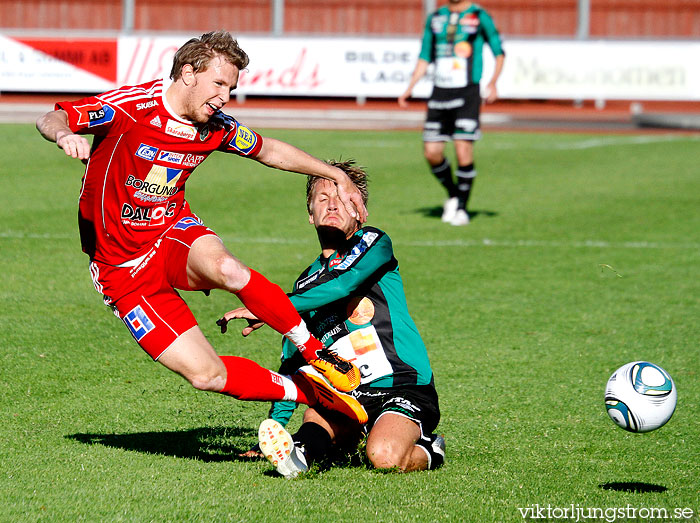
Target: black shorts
[419, 403]
[453, 114]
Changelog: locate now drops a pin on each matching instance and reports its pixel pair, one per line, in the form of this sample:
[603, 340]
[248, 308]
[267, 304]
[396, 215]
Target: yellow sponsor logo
[245, 139]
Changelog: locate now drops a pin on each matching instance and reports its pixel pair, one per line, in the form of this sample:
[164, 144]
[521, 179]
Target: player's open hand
[240, 313]
[352, 199]
[252, 453]
[74, 145]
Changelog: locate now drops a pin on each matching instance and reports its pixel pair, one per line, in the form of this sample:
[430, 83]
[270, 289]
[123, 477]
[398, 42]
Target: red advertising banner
[98, 57]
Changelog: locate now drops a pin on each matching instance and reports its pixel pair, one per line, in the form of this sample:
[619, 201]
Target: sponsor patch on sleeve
[244, 140]
[94, 114]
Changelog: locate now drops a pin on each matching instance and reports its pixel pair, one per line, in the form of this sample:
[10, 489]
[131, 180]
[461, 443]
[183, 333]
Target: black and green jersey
[355, 304]
[454, 42]
[353, 301]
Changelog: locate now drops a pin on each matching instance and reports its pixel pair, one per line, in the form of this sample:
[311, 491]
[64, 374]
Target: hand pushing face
[327, 210]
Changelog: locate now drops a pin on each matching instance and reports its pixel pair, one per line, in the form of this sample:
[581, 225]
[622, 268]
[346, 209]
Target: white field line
[548, 145]
[19, 235]
[585, 244]
[591, 143]
[463, 242]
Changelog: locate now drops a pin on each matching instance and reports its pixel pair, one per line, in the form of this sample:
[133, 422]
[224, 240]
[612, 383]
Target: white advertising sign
[294, 66]
[380, 68]
[601, 70]
[332, 67]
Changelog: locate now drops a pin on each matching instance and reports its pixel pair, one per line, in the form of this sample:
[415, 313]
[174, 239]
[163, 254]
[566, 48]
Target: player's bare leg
[210, 265]
[193, 358]
[464, 149]
[434, 152]
[392, 444]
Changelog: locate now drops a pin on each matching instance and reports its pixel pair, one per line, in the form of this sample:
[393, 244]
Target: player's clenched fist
[74, 145]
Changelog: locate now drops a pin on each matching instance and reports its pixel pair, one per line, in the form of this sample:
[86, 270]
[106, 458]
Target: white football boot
[449, 209]
[460, 218]
[279, 449]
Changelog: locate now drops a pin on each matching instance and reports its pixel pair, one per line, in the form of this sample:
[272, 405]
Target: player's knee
[207, 381]
[233, 275]
[387, 455]
[433, 157]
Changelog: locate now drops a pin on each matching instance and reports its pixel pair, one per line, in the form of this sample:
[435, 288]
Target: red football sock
[248, 381]
[309, 347]
[269, 303]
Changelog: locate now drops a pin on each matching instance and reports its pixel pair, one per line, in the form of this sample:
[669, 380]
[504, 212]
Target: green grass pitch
[583, 254]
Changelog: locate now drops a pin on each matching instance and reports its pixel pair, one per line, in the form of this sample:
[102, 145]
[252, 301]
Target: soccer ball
[640, 396]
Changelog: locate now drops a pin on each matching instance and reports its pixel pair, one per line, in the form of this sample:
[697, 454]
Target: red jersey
[142, 155]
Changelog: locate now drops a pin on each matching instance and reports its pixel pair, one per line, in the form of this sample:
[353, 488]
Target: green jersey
[454, 41]
[354, 302]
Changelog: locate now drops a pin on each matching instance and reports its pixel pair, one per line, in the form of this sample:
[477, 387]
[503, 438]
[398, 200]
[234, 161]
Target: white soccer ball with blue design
[640, 396]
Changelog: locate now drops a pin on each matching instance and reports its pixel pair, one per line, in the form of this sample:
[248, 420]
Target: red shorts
[142, 292]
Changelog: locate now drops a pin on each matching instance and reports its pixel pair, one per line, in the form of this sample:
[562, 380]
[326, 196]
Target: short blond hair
[357, 176]
[199, 52]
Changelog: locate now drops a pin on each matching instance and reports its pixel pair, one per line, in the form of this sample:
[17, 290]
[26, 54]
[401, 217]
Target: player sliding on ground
[352, 298]
[144, 241]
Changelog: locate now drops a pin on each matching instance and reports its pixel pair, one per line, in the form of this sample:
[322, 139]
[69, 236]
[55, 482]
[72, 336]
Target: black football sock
[443, 173]
[314, 440]
[466, 175]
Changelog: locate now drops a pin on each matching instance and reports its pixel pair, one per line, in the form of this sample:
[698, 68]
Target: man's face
[328, 211]
[208, 90]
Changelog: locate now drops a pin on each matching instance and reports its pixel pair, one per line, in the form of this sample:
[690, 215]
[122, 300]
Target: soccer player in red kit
[144, 241]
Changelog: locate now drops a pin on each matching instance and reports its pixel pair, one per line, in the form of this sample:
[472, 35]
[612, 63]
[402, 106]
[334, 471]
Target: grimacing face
[327, 210]
[208, 90]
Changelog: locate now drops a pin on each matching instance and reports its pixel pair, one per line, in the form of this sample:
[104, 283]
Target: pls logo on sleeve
[94, 114]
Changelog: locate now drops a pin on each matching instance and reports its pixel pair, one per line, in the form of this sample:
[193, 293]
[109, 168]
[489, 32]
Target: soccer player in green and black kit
[453, 40]
[352, 298]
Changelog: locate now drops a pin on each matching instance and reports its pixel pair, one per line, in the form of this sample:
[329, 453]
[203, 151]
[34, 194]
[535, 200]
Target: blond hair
[356, 174]
[198, 52]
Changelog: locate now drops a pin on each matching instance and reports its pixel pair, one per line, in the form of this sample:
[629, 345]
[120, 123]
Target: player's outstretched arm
[54, 127]
[281, 155]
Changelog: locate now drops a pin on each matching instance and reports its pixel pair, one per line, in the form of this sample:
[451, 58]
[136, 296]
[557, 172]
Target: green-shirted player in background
[352, 298]
[453, 40]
